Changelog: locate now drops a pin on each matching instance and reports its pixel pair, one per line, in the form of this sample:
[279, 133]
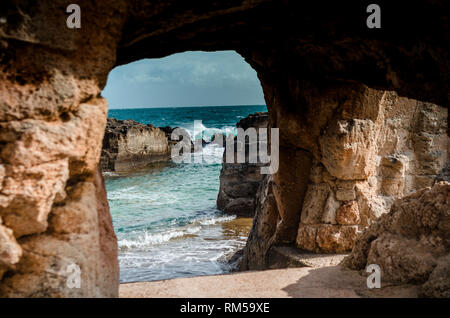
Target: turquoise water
[165, 217]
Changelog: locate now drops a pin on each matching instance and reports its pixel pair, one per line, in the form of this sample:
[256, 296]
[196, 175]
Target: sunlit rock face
[55, 221]
[328, 83]
[365, 163]
[347, 156]
[411, 243]
[128, 146]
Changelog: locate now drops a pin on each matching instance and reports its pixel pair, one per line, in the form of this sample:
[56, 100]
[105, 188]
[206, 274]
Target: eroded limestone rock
[364, 158]
[51, 78]
[348, 214]
[54, 204]
[10, 250]
[366, 169]
[411, 243]
[129, 145]
[263, 229]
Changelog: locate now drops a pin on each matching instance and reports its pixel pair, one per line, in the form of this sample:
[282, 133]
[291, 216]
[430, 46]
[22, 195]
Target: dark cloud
[185, 79]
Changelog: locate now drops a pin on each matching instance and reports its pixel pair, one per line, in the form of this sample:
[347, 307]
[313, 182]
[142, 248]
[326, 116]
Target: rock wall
[411, 243]
[344, 159]
[128, 145]
[365, 164]
[53, 208]
[239, 182]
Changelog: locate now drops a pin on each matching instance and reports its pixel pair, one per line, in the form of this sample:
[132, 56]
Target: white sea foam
[213, 221]
[206, 133]
[146, 239]
[212, 153]
[110, 174]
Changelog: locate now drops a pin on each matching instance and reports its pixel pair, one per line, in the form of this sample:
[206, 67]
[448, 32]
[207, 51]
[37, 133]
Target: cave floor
[326, 281]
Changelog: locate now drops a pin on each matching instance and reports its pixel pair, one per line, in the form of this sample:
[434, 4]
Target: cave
[315, 61]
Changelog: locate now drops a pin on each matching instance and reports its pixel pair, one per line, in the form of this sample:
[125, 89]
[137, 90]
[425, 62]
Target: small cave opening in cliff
[169, 218]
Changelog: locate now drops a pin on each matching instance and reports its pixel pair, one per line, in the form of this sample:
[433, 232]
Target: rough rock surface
[52, 121]
[128, 145]
[54, 203]
[239, 182]
[411, 243]
[314, 59]
[10, 250]
[344, 159]
[366, 159]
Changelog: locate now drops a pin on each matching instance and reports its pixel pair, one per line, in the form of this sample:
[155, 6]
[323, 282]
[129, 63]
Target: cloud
[218, 78]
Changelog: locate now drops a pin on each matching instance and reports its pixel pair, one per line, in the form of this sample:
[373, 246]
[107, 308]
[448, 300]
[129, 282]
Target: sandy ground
[327, 281]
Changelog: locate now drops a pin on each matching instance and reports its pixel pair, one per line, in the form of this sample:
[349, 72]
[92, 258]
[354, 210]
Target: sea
[165, 216]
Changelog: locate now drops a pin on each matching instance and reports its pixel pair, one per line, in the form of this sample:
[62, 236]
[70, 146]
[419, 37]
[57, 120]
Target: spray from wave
[147, 239]
[144, 239]
[207, 133]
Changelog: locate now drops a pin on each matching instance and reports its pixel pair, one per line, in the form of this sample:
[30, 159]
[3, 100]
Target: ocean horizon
[189, 106]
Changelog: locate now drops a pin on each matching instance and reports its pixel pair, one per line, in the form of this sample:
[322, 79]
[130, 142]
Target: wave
[210, 154]
[147, 239]
[110, 174]
[206, 133]
[216, 220]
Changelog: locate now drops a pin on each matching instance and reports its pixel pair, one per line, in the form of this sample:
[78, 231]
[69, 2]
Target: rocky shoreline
[129, 145]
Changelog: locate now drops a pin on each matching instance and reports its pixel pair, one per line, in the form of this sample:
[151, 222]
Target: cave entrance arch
[164, 213]
[53, 202]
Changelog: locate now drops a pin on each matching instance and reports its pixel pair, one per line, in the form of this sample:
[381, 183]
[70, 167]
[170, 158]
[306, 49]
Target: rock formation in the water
[353, 151]
[240, 181]
[411, 243]
[256, 120]
[316, 61]
[128, 145]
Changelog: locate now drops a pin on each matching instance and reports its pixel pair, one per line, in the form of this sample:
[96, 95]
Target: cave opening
[164, 213]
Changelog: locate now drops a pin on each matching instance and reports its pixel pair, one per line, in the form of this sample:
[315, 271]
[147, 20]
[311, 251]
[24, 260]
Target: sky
[184, 79]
